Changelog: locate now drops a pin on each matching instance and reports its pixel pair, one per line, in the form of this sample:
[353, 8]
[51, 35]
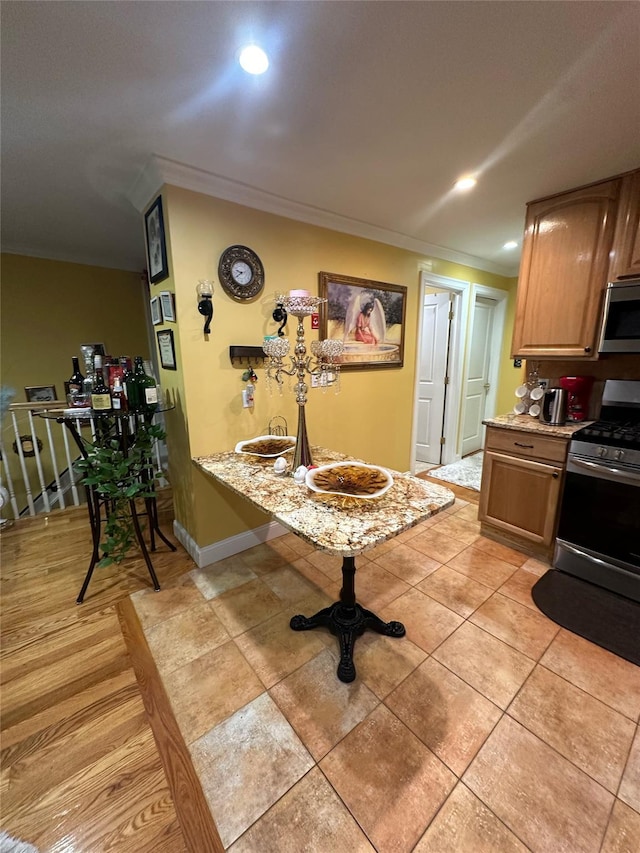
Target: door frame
[461, 291]
[500, 297]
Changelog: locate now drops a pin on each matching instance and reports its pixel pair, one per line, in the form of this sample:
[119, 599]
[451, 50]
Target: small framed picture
[156, 313]
[167, 301]
[93, 349]
[40, 393]
[156, 242]
[167, 349]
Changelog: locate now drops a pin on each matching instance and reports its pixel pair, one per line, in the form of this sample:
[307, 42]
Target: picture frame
[168, 305]
[156, 310]
[369, 316]
[96, 349]
[167, 350]
[40, 393]
[156, 242]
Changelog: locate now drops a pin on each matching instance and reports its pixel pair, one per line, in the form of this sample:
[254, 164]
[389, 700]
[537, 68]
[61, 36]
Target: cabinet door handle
[555, 475]
[587, 349]
[519, 444]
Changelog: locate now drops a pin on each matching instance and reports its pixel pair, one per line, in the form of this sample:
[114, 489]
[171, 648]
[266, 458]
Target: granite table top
[529, 424]
[337, 525]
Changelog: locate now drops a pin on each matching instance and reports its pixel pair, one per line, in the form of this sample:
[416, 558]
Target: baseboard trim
[226, 547]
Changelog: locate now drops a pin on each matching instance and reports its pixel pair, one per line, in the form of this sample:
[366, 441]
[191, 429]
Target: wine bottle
[90, 378]
[131, 389]
[118, 398]
[100, 395]
[76, 379]
[146, 387]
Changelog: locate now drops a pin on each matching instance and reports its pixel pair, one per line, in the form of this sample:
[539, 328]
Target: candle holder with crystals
[321, 363]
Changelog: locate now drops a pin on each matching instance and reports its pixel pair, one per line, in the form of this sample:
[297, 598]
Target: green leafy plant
[120, 476]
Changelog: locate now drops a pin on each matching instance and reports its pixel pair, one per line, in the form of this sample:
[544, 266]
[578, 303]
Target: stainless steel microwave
[621, 321]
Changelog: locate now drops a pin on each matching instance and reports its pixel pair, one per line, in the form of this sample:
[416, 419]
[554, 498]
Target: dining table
[334, 523]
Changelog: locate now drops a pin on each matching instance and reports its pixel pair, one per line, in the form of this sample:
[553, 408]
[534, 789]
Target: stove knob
[618, 455]
[601, 452]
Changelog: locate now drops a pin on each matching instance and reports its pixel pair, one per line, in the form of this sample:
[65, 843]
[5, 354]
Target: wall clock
[241, 272]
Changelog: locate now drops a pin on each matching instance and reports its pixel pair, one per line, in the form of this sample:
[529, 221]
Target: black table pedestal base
[347, 620]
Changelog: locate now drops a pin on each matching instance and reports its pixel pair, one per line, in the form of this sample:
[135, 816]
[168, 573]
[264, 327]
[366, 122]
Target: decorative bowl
[349, 479]
[260, 446]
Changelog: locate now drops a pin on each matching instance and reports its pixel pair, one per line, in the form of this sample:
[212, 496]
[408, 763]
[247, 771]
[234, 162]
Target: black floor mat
[607, 619]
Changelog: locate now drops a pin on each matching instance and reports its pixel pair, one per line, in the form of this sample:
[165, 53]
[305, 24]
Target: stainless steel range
[599, 529]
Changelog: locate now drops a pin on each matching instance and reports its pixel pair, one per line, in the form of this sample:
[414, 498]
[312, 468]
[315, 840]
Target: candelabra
[321, 363]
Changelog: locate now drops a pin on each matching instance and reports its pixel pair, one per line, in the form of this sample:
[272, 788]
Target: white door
[433, 366]
[477, 384]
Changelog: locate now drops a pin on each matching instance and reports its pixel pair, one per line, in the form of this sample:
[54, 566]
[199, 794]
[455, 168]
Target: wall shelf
[248, 353]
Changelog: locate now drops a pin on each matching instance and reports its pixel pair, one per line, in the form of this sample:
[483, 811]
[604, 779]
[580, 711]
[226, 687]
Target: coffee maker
[579, 390]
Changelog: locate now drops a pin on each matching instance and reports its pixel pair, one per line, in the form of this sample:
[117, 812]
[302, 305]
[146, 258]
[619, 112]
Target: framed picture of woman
[368, 316]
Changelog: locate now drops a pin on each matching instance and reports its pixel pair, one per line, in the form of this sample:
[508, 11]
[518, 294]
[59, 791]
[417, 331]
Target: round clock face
[241, 272]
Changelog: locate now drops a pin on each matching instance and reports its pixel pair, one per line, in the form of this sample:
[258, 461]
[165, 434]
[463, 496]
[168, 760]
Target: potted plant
[119, 471]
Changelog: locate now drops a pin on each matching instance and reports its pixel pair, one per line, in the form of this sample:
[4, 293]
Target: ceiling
[368, 114]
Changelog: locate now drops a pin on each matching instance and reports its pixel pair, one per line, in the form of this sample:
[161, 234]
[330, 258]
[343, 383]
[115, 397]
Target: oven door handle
[604, 472]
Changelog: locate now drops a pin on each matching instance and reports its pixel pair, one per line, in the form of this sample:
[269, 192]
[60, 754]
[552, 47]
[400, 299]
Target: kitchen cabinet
[522, 477]
[625, 254]
[563, 272]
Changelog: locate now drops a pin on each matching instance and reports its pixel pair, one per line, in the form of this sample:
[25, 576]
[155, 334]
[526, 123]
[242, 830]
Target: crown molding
[147, 183]
[160, 170]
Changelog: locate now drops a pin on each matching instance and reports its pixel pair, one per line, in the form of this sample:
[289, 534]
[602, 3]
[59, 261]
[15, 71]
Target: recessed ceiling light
[510, 244]
[253, 59]
[465, 184]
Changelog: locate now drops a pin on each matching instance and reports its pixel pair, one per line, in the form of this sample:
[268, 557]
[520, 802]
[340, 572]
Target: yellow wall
[51, 307]
[371, 418]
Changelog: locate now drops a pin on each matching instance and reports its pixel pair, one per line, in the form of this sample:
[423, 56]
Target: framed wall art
[89, 350]
[167, 349]
[40, 393]
[168, 305]
[369, 316]
[156, 242]
[156, 311]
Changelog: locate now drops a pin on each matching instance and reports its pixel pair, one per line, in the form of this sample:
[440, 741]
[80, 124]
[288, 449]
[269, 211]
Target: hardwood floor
[80, 767]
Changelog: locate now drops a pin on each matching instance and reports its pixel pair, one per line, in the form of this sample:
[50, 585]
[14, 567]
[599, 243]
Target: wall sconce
[280, 316]
[205, 301]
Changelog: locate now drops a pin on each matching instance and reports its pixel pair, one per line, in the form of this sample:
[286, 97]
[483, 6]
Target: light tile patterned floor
[488, 728]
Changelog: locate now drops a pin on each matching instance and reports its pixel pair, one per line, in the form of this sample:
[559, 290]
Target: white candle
[299, 293]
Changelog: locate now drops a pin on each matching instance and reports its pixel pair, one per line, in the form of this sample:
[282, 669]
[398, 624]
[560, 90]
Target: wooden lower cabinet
[520, 495]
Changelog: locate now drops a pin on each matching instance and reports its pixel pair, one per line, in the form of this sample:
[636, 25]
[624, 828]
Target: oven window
[602, 516]
[623, 321]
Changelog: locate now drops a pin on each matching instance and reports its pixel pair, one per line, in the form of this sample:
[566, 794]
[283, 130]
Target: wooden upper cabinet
[563, 273]
[625, 254]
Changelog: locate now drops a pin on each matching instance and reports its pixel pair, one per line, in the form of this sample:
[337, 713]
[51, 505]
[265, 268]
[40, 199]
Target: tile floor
[487, 728]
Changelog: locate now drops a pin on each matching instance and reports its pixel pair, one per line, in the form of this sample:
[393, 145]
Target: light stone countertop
[334, 524]
[529, 424]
